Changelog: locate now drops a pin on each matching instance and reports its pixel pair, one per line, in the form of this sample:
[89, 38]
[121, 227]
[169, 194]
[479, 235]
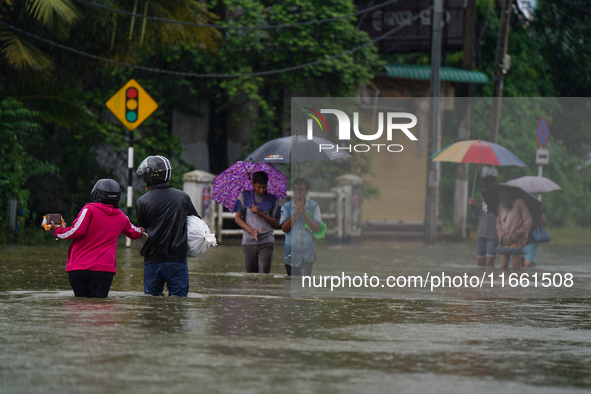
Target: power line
[154, 18]
[197, 75]
[582, 24]
[576, 6]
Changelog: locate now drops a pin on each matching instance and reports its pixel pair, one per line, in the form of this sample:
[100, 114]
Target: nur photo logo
[392, 122]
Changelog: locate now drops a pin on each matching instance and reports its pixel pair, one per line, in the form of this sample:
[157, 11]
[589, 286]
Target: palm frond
[169, 34]
[22, 55]
[53, 101]
[47, 10]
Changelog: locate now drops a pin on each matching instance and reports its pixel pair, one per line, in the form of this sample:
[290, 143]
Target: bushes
[17, 126]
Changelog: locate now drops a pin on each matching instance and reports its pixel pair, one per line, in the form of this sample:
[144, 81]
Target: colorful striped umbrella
[478, 152]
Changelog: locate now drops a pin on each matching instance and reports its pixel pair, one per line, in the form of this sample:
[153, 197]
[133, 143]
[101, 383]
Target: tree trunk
[218, 135]
[461, 184]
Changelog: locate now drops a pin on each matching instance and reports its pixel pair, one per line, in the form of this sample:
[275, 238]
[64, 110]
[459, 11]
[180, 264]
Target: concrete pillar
[352, 187]
[12, 210]
[199, 186]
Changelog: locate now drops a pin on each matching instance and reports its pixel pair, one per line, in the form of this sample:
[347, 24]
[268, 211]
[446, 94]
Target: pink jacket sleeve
[78, 228]
[131, 231]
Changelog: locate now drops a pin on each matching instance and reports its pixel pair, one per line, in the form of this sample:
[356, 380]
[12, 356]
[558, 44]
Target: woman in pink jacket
[91, 256]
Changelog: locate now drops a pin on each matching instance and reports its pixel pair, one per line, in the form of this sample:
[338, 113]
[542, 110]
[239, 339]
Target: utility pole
[435, 85]
[461, 184]
[502, 64]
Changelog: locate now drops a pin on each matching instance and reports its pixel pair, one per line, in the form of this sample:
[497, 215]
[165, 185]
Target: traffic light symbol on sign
[132, 105]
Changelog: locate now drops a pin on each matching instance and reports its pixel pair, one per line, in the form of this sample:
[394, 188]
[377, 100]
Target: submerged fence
[333, 217]
[340, 207]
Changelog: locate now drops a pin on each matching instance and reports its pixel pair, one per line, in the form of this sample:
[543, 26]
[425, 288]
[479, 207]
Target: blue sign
[543, 132]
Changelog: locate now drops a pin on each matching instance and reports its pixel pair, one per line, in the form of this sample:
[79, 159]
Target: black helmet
[106, 191]
[155, 169]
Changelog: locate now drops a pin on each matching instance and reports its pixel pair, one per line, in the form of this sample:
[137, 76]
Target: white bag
[199, 238]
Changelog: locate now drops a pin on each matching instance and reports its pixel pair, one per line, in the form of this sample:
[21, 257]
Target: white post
[542, 157]
[540, 170]
[130, 187]
[220, 222]
[340, 208]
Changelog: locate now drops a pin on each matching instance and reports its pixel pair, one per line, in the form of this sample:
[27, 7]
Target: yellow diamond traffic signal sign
[132, 105]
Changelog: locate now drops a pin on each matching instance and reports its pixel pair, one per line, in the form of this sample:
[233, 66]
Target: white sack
[199, 238]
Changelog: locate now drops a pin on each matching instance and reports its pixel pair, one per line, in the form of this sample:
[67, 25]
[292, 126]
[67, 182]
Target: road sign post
[542, 155]
[131, 105]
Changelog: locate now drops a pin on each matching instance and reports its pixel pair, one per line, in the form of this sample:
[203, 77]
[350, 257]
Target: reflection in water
[90, 320]
[245, 333]
[95, 326]
[247, 317]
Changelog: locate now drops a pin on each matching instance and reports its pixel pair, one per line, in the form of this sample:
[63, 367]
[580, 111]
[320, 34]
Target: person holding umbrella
[487, 228]
[258, 214]
[534, 184]
[514, 222]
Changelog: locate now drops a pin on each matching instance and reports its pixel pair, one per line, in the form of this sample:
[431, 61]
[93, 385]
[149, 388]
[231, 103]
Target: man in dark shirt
[163, 213]
[487, 228]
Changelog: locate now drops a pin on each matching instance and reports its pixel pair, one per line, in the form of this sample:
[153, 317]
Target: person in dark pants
[91, 261]
[258, 212]
[487, 223]
[163, 212]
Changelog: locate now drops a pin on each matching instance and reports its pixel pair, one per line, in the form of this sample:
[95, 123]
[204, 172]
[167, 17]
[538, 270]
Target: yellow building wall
[401, 178]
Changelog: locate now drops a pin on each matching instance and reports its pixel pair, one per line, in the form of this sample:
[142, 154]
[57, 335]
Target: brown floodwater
[250, 333]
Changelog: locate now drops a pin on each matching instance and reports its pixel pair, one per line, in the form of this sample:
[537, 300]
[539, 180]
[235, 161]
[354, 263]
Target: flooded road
[239, 333]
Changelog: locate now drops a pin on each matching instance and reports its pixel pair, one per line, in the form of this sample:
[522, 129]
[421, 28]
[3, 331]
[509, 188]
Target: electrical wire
[578, 7]
[197, 75]
[154, 18]
[582, 24]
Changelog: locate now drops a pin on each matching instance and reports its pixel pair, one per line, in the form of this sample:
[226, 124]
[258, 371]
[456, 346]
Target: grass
[570, 235]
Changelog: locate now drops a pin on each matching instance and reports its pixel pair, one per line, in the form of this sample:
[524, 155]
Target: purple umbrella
[228, 185]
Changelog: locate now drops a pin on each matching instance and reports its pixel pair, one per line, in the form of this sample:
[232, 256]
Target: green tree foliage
[562, 38]
[26, 66]
[528, 76]
[548, 58]
[18, 131]
[517, 132]
[262, 102]
[69, 91]
[98, 148]
[50, 80]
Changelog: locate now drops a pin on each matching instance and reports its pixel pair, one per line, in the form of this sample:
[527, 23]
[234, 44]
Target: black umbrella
[295, 149]
[492, 200]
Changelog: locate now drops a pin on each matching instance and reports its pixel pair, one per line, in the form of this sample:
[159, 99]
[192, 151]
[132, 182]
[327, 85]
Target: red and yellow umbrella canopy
[478, 152]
